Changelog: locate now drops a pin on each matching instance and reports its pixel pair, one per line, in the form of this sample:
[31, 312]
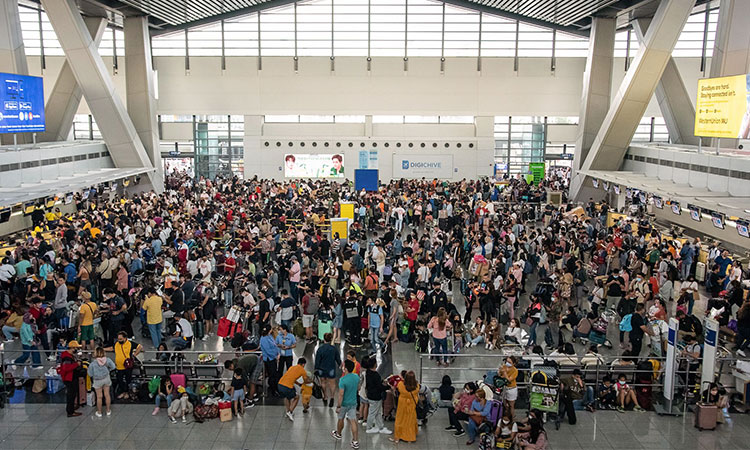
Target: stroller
[544, 391]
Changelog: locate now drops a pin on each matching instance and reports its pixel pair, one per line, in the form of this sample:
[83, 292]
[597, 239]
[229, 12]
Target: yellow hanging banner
[347, 210]
[721, 108]
[340, 226]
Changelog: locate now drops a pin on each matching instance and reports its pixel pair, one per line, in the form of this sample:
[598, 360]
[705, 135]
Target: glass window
[277, 31]
[241, 36]
[461, 32]
[457, 119]
[172, 44]
[421, 119]
[315, 119]
[314, 31]
[387, 27]
[205, 41]
[349, 119]
[498, 36]
[425, 28]
[271, 118]
[387, 119]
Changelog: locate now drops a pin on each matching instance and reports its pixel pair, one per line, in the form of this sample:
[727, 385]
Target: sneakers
[173, 419]
[250, 405]
[372, 431]
[355, 445]
[620, 409]
[109, 413]
[335, 435]
[459, 433]
[385, 430]
[330, 403]
[450, 428]
[289, 416]
[156, 411]
[184, 420]
[204, 338]
[37, 367]
[51, 358]
[741, 353]
[8, 341]
[98, 414]
[638, 408]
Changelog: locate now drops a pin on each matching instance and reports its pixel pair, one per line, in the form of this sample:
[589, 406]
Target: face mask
[506, 422]
[622, 383]
[467, 391]
[508, 364]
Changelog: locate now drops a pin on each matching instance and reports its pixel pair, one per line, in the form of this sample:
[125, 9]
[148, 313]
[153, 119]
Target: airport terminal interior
[330, 224]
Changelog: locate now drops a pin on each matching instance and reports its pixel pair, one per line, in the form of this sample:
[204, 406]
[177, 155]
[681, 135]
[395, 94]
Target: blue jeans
[588, 399]
[441, 348]
[375, 340]
[293, 290]
[532, 333]
[179, 343]
[472, 429]
[27, 351]
[158, 397]
[8, 332]
[155, 330]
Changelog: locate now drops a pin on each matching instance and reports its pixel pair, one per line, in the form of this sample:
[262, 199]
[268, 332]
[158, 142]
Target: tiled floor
[33, 426]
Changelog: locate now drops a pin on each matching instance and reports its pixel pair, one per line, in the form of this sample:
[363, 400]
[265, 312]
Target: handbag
[317, 390]
[129, 363]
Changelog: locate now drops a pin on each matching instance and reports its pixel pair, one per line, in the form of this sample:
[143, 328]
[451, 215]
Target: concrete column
[673, 98]
[91, 74]
[731, 54]
[635, 92]
[12, 53]
[484, 129]
[597, 85]
[66, 95]
[255, 152]
[141, 89]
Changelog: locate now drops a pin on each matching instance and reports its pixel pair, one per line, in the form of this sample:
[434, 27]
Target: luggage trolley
[544, 391]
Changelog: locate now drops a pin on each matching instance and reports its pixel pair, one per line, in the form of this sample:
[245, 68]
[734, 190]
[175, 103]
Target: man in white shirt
[184, 335]
[7, 272]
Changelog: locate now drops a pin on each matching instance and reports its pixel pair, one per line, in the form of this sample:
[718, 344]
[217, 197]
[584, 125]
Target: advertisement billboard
[721, 108]
[419, 166]
[22, 102]
[314, 165]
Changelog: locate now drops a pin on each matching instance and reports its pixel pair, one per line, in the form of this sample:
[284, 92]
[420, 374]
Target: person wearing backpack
[625, 308]
[310, 307]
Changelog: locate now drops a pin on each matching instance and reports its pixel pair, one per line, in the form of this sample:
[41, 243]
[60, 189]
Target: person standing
[639, 326]
[271, 355]
[374, 391]
[327, 359]
[294, 278]
[347, 404]
[99, 370]
[86, 314]
[405, 428]
[439, 325]
[152, 306]
[67, 371]
[125, 353]
[375, 321]
[286, 342]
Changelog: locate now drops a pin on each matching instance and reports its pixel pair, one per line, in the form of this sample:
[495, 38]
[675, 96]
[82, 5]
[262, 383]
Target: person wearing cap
[66, 370]
[86, 314]
[180, 406]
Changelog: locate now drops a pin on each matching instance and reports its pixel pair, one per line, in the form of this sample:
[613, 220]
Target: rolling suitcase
[700, 272]
[705, 416]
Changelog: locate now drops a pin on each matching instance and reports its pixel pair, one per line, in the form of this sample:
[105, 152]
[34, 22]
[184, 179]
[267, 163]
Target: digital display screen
[28, 208]
[676, 208]
[695, 212]
[617, 189]
[658, 202]
[742, 228]
[718, 220]
[68, 198]
[4, 215]
[595, 183]
[307, 165]
[22, 102]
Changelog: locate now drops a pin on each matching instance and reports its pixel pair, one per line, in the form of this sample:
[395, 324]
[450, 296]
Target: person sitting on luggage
[506, 431]
[462, 402]
[478, 414]
[625, 395]
[583, 328]
[716, 396]
[184, 335]
[607, 395]
[180, 407]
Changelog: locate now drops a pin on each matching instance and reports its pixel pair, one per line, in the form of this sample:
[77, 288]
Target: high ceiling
[573, 16]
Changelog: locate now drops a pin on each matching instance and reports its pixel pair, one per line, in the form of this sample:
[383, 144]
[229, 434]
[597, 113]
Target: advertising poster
[318, 165]
[22, 101]
[427, 166]
[721, 108]
[537, 170]
[368, 159]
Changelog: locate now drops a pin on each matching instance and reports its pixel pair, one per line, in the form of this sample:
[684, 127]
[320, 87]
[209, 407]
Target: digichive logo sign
[405, 165]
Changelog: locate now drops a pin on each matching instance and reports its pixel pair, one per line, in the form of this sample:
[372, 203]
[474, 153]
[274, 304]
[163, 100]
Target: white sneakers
[289, 416]
[156, 411]
[98, 414]
[383, 430]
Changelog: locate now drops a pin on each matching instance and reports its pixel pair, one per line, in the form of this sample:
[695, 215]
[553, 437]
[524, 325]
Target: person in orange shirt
[287, 386]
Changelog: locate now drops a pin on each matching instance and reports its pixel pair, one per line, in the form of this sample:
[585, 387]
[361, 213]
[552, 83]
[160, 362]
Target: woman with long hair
[405, 428]
[99, 370]
[439, 326]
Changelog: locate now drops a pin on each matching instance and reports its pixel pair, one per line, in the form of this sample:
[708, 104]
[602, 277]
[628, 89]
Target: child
[607, 394]
[180, 407]
[446, 392]
[625, 395]
[237, 391]
[306, 390]
[491, 334]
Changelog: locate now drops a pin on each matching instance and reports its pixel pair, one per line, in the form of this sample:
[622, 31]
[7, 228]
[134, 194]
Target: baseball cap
[74, 344]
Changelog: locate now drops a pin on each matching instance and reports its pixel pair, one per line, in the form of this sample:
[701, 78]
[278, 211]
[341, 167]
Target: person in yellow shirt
[306, 391]
[124, 350]
[152, 305]
[287, 386]
[86, 314]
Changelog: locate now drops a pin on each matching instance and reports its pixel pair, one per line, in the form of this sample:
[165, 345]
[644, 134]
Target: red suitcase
[705, 416]
[223, 329]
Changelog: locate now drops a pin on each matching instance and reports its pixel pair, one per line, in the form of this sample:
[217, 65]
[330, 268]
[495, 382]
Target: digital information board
[22, 100]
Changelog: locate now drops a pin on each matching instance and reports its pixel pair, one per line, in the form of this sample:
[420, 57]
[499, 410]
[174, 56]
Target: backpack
[625, 324]
[153, 385]
[313, 305]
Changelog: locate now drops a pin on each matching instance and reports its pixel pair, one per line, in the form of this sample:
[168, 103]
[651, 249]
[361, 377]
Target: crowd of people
[446, 265]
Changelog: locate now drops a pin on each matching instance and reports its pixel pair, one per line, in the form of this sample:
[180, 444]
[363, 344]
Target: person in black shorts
[208, 308]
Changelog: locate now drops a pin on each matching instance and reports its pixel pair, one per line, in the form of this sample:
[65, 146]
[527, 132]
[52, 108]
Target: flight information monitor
[22, 102]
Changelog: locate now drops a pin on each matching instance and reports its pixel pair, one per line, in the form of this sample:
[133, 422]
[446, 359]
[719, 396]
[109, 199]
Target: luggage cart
[544, 392]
